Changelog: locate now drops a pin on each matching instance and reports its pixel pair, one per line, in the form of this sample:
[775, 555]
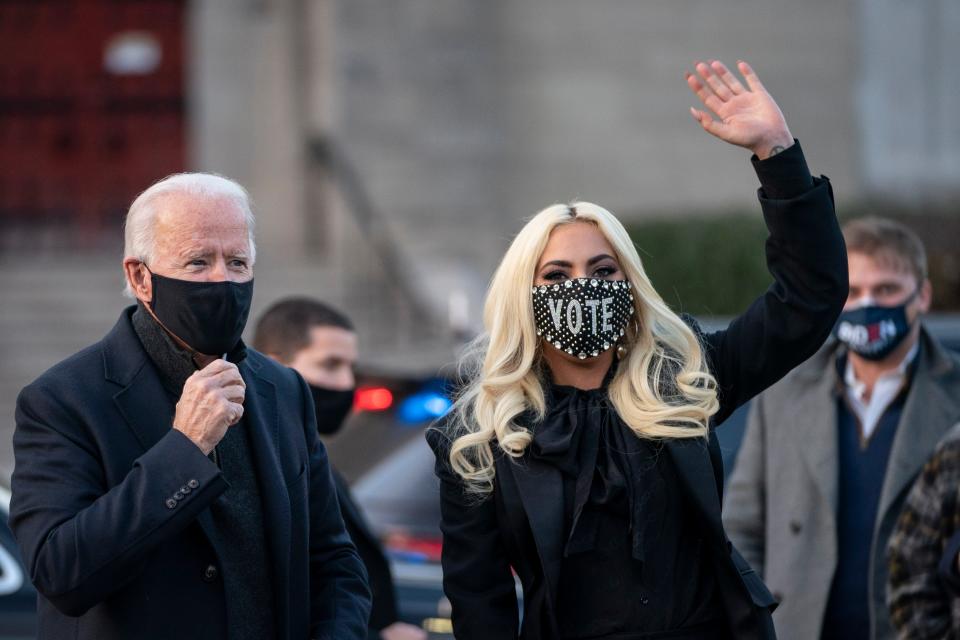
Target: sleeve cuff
[784, 175]
[947, 568]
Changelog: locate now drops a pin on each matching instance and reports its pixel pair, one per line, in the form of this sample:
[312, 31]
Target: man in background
[832, 449]
[320, 343]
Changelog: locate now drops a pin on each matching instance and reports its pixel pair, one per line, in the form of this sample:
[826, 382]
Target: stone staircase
[51, 309]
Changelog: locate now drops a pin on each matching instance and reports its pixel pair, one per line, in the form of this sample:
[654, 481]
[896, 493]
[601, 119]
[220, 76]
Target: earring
[621, 351]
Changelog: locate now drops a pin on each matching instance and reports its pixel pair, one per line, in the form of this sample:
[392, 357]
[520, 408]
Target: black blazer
[521, 527]
[109, 504]
[384, 611]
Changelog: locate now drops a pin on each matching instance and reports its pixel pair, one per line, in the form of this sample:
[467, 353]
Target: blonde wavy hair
[662, 387]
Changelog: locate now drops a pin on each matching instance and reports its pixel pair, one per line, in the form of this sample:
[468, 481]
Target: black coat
[384, 611]
[522, 526]
[109, 504]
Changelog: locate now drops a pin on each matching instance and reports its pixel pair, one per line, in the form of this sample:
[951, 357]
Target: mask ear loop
[913, 296]
[199, 359]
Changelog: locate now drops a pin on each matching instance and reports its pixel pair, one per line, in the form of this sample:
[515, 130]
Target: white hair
[138, 234]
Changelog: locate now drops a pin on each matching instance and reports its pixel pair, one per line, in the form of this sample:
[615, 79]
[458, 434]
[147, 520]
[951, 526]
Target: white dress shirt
[885, 390]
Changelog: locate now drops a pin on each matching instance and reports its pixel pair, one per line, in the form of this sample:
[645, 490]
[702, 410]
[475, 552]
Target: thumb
[711, 126]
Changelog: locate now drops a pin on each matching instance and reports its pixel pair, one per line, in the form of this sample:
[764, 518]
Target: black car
[18, 598]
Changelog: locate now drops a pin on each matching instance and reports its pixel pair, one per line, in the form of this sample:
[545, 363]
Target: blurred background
[393, 148]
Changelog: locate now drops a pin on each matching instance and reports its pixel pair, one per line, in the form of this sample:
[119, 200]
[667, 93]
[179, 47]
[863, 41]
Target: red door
[92, 111]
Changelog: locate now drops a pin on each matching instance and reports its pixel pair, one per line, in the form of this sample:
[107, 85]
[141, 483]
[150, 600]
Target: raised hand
[748, 115]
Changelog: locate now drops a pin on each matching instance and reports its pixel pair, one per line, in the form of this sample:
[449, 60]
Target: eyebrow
[194, 253]
[592, 261]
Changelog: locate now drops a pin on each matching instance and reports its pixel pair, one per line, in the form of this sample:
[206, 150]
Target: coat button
[178, 495]
[193, 484]
[171, 503]
[795, 527]
[185, 489]
[210, 573]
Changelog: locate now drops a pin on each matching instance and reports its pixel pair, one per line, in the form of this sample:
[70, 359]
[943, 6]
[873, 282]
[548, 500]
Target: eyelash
[600, 272]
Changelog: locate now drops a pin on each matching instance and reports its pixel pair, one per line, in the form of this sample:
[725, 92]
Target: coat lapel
[541, 492]
[263, 420]
[691, 457]
[928, 414]
[142, 400]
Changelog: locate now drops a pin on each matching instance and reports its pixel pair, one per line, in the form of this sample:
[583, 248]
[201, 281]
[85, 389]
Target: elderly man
[169, 482]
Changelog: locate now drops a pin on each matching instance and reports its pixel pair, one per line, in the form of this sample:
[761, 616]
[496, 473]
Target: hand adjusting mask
[583, 316]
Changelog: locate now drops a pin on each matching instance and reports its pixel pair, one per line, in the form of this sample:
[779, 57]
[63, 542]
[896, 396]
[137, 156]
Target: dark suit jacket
[522, 526]
[110, 504]
[384, 611]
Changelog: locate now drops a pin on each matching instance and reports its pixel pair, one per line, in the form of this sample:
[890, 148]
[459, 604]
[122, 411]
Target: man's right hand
[211, 402]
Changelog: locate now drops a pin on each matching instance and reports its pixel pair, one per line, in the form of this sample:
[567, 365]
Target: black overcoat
[109, 504]
[521, 527]
[384, 611]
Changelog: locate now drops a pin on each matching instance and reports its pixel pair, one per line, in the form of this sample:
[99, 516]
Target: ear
[138, 277]
[925, 298]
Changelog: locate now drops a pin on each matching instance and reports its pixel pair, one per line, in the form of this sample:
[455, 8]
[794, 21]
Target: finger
[234, 393]
[750, 76]
[227, 378]
[711, 126]
[215, 367]
[706, 96]
[728, 78]
[235, 412]
[714, 81]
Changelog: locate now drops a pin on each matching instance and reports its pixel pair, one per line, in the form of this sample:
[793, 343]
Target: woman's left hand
[748, 116]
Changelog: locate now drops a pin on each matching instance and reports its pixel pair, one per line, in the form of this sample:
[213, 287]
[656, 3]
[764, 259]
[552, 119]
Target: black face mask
[208, 316]
[583, 316]
[874, 332]
[332, 407]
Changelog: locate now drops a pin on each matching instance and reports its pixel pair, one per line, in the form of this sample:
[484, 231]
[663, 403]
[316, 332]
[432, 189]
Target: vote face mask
[873, 332]
[332, 407]
[583, 317]
[208, 316]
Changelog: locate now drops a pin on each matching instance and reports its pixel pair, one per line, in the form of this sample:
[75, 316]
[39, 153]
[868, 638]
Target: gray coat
[781, 503]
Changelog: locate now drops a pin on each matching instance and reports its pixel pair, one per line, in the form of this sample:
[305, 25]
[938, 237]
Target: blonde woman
[580, 454]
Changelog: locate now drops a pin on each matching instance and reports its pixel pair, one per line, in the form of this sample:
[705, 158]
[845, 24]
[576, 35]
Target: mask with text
[873, 331]
[583, 316]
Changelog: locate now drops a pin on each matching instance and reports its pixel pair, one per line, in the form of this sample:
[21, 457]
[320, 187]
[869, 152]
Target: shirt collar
[900, 372]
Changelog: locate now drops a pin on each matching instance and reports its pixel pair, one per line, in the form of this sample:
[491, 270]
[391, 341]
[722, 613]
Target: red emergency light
[373, 399]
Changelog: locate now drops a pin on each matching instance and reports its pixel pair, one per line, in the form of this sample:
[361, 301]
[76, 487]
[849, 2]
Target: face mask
[332, 407]
[873, 332]
[208, 316]
[583, 317]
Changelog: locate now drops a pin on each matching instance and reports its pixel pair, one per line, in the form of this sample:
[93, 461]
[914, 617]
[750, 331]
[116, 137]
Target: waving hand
[747, 115]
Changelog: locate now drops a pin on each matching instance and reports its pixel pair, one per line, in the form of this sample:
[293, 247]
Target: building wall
[465, 118]
[87, 118]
